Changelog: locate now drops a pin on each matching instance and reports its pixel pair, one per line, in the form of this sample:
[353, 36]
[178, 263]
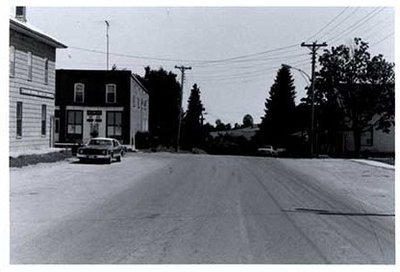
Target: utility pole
[313, 47]
[178, 136]
[107, 28]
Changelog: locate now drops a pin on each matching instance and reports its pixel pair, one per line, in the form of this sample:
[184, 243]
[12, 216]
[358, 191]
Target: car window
[100, 142]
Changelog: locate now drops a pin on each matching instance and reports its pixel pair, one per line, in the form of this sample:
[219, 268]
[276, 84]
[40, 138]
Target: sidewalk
[375, 163]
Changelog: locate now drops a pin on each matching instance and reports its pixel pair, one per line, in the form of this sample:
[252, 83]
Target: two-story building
[31, 85]
[100, 103]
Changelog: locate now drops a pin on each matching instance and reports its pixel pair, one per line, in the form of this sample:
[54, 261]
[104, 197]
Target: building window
[133, 101]
[46, 71]
[30, 66]
[138, 103]
[43, 120]
[12, 61]
[111, 93]
[57, 125]
[19, 119]
[74, 122]
[79, 92]
[367, 136]
[145, 105]
[114, 124]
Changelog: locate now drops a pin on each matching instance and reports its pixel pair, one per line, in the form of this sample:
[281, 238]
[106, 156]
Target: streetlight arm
[297, 69]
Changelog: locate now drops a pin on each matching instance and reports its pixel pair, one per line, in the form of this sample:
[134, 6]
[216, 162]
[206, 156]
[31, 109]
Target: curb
[374, 163]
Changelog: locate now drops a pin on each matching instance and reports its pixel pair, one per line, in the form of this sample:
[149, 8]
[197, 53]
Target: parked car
[267, 150]
[101, 149]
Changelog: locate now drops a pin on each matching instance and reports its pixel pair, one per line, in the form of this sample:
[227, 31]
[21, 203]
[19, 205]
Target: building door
[56, 129]
[51, 132]
[94, 130]
[74, 125]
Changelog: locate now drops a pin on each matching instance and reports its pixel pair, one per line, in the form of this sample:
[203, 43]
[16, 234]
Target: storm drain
[327, 212]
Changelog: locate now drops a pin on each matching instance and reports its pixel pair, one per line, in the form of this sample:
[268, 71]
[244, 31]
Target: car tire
[109, 160]
[119, 157]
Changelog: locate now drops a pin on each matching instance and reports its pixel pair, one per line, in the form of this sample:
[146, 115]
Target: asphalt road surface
[191, 209]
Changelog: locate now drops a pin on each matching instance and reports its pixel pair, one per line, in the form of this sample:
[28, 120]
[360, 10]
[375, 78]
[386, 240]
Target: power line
[185, 60]
[249, 55]
[247, 74]
[328, 24]
[383, 39]
[357, 24]
[261, 59]
[338, 24]
[249, 68]
[383, 27]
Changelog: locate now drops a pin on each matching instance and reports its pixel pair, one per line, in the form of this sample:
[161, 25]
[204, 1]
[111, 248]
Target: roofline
[23, 28]
[93, 70]
[139, 83]
[105, 71]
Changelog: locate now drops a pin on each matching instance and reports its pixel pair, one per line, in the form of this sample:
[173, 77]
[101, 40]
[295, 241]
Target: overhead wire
[357, 24]
[383, 39]
[328, 24]
[339, 23]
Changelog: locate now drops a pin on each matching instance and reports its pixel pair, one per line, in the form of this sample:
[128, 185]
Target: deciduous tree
[360, 87]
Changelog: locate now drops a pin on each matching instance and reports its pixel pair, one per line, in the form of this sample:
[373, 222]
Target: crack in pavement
[326, 212]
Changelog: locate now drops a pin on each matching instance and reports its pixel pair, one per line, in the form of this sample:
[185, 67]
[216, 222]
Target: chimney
[20, 14]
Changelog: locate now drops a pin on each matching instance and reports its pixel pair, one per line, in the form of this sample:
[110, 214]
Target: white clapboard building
[31, 85]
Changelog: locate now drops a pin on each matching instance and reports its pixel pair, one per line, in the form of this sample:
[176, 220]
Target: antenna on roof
[107, 28]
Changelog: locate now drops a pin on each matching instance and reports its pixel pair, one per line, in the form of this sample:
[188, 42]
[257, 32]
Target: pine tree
[277, 125]
[192, 121]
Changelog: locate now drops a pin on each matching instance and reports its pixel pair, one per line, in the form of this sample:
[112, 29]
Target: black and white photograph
[200, 134]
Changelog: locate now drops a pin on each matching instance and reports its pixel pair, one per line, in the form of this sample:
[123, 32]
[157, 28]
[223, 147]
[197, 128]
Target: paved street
[168, 208]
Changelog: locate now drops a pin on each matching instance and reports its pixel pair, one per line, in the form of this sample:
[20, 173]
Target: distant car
[267, 150]
[101, 149]
[281, 151]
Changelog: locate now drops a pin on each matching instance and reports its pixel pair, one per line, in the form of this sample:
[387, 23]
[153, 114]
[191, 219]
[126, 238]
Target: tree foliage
[192, 131]
[248, 121]
[219, 125]
[277, 125]
[357, 88]
[164, 104]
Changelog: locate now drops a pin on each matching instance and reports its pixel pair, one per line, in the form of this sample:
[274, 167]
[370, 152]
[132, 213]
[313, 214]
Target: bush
[144, 140]
[25, 160]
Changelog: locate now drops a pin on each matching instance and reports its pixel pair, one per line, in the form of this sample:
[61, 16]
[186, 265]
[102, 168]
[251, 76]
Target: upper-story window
[12, 61]
[79, 92]
[133, 101]
[111, 93]
[30, 65]
[46, 71]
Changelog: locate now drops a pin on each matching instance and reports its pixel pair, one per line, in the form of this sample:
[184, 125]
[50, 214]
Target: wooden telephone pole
[178, 136]
[313, 47]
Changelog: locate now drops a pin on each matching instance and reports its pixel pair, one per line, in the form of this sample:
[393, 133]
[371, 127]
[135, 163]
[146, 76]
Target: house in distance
[99, 103]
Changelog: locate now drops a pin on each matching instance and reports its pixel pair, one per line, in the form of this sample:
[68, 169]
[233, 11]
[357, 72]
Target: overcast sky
[213, 41]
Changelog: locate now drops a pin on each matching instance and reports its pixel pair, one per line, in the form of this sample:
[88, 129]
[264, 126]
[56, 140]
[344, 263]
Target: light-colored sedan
[267, 150]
